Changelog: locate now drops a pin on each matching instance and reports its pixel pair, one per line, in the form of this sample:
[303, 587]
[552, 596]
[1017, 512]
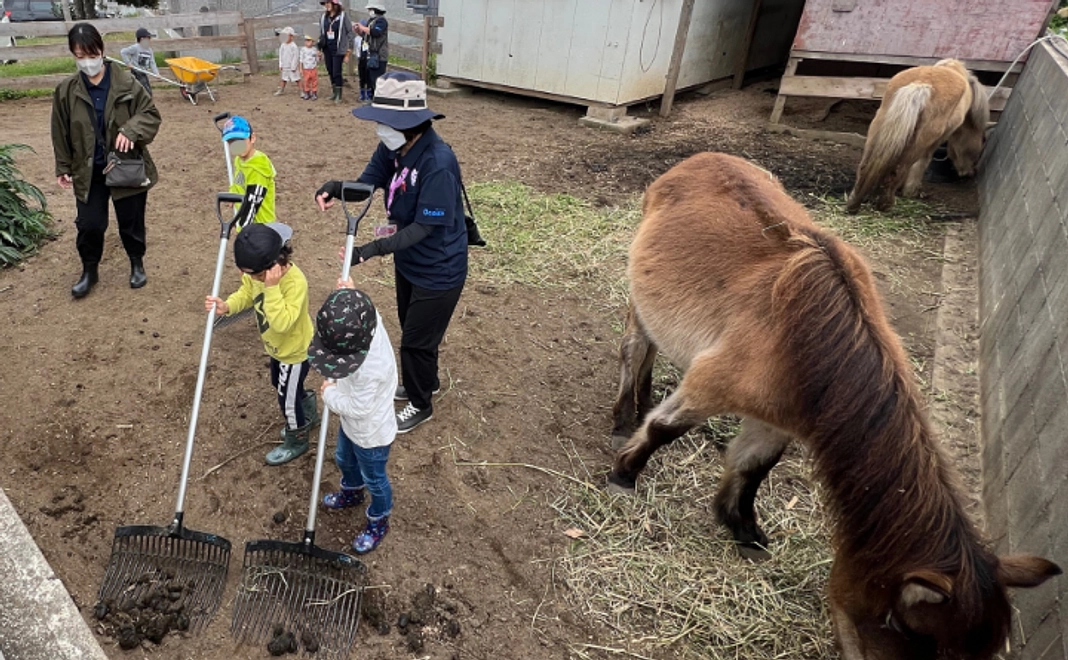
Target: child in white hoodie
[351, 350]
[288, 59]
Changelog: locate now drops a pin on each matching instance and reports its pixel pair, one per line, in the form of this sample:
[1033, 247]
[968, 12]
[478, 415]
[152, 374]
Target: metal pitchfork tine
[301, 588]
[196, 562]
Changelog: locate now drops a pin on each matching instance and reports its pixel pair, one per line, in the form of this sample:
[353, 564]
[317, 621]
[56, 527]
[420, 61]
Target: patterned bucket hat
[344, 328]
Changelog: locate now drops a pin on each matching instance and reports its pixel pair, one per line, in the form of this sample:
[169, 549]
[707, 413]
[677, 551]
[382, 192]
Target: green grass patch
[551, 240]
[909, 220]
[16, 94]
[40, 67]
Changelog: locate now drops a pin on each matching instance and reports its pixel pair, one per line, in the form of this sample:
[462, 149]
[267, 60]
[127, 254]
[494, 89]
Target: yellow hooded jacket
[281, 314]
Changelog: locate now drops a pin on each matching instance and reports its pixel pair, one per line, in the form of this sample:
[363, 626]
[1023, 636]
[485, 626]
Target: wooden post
[66, 10]
[249, 26]
[780, 100]
[425, 59]
[739, 71]
[676, 57]
[354, 58]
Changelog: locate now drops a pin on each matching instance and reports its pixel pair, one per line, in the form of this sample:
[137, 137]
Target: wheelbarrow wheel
[188, 95]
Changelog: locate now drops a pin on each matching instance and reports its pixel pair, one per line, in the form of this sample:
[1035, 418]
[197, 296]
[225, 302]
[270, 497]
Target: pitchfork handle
[352, 222]
[225, 228]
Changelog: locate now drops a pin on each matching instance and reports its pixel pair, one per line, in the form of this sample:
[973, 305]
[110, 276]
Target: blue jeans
[365, 468]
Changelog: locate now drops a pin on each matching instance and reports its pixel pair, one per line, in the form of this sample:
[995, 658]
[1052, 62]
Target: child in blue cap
[253, 173]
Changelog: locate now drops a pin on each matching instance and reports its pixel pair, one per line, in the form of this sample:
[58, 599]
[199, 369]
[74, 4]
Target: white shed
[608, 54]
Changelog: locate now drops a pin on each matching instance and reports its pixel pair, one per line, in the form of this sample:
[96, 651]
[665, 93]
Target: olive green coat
[129, 110]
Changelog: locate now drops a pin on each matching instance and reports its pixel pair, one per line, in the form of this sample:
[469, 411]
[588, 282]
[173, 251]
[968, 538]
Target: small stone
[403, 620]
[279, 517]
[100, 611]
[311, 645]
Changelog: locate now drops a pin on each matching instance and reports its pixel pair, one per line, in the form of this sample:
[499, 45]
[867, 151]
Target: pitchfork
[300, 588]
[143, 556]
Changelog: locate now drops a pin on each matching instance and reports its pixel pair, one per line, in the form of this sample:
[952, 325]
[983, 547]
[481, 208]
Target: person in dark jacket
[337, 36]
[421, 179]
[101, 109]
[375, 52]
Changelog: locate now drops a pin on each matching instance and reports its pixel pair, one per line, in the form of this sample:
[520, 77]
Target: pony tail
[888, 138]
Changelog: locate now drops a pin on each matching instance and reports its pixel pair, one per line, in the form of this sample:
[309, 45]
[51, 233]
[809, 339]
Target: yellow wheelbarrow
[193, 75]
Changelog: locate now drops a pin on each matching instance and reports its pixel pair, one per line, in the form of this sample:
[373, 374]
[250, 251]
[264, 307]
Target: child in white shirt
[309, 69]
[288, 59]
[351, 350]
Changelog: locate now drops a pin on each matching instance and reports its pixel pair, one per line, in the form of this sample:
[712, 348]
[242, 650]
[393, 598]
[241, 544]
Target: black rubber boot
[85, 283]
[137, 273]
[338, 99]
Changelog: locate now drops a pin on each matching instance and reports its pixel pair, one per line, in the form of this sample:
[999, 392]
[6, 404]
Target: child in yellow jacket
[278, 293]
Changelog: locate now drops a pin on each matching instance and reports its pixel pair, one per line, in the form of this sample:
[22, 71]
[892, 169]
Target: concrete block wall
[1023, 271]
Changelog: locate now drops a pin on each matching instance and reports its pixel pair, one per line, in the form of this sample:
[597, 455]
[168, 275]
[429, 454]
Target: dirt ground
[98, 391]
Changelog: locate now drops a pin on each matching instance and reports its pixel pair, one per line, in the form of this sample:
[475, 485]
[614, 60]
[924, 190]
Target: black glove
[333, 191]
[365, 252]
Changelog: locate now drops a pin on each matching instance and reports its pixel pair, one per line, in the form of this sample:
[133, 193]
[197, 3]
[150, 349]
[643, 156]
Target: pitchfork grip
[354, 191]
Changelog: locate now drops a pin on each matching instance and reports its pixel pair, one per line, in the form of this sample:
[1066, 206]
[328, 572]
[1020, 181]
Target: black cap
[257, 247]
[143, 33]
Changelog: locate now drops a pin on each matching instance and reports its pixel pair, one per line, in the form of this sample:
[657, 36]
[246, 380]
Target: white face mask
[90, 66]
[391, 137]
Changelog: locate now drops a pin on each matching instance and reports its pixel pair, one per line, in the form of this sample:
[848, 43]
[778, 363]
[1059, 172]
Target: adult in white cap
[374, 53]
[335, 42]
[424, 203]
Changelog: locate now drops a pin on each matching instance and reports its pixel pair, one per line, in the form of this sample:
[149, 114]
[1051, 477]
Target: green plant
[16, 94]
[1059, 23]
[24, 218]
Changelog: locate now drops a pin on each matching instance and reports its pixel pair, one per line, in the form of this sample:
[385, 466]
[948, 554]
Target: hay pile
[659, 571]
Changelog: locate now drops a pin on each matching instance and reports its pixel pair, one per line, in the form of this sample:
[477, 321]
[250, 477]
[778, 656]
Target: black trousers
[335, 63]
[361, 71]
[373, 75]
[92, 220]
[424, 317]
[288, 382]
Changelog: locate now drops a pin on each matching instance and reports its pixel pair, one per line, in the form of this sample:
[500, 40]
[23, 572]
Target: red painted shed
[985, 30]
[987, 34]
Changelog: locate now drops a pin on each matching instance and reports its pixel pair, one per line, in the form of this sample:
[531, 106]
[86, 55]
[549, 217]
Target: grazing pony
[777, 320]
[923, 107]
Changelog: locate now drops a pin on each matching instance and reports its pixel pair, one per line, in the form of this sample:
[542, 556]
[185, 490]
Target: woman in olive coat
[98, 110]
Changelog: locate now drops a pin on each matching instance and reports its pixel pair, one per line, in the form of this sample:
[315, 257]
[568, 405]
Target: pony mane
[979, 111]
[893, 492]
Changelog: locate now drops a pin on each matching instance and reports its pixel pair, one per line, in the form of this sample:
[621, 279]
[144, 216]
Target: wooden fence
[252, 35]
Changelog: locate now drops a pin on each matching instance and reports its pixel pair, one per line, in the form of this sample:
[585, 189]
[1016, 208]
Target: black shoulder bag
[473, 235]
[120, 171]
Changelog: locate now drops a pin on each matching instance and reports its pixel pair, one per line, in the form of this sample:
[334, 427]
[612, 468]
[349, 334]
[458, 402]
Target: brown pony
[923, 107]
[777, 320]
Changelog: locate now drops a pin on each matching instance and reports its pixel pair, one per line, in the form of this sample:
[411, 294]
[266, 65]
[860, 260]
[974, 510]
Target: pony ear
[924, 587]
[1025, 570]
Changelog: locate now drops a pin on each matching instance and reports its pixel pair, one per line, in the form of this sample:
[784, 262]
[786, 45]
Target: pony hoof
[753, 552]
[618, 441]
[620, 486]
